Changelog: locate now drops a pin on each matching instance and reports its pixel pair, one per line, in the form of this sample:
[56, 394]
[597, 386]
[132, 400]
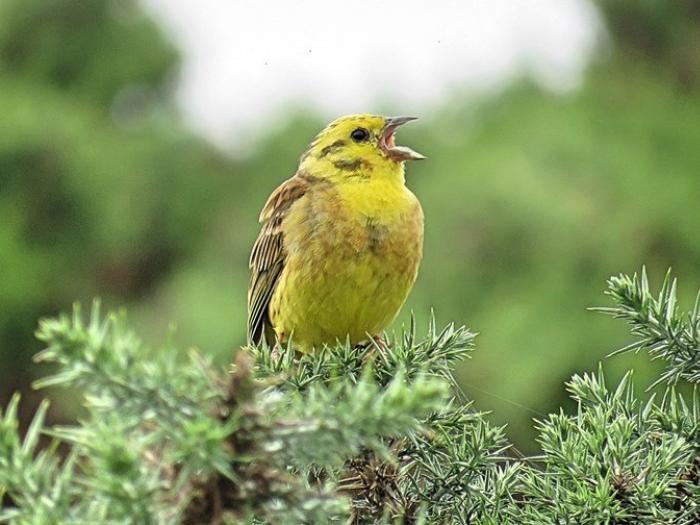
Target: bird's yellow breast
[353, 250]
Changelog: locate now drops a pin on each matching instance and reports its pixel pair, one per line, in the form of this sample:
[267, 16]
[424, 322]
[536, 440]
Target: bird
[341, 241]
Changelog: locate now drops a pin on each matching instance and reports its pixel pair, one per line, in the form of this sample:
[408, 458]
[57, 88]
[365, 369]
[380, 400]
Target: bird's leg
[375, 343]
[379, 341]
[276, 352]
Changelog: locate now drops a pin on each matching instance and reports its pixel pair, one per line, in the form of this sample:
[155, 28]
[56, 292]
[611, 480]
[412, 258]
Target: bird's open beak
[394, 152]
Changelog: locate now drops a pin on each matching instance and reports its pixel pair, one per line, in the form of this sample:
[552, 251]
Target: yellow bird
[341, 240]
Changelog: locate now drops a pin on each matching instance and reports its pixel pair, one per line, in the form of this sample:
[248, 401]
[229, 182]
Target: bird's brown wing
[268, 256]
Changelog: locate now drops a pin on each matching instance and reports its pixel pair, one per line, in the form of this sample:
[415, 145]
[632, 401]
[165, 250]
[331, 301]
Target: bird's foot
[377, 343]
[276, 352]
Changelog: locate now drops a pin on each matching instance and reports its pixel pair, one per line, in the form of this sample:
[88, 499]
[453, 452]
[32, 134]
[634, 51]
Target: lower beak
[394, 152]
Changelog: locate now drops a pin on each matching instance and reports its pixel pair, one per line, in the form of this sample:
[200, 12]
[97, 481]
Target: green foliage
[666, 32]
[619, 460]
[87, 49]
[350, 434]
[454, 467]
[40, 474]
[616, 460]
[437, 352]
[661, 329]
[169, 438]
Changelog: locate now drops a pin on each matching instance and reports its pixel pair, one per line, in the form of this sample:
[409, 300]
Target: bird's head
[359, 144]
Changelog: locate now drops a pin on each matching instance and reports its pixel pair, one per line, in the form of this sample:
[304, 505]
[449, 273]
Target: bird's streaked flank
[341, 240]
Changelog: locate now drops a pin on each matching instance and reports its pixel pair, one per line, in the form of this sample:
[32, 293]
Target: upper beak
[398, 153]
[395, 122]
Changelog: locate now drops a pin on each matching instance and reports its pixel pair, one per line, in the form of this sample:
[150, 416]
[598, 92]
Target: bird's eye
[359, 134]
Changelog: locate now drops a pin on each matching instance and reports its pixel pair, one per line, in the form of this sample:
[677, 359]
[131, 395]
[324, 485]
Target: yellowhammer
[341, 240]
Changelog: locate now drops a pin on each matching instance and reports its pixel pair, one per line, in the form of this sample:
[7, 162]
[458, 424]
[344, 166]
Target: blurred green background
[532, 199]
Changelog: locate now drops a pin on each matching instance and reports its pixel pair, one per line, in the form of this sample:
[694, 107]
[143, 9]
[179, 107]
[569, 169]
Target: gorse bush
[379, 434]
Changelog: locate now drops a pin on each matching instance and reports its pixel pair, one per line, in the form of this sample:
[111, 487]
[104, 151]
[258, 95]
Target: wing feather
[268, 255]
